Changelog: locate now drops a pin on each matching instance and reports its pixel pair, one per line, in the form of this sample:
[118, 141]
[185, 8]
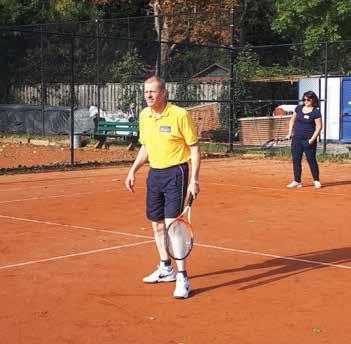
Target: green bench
[127, 130]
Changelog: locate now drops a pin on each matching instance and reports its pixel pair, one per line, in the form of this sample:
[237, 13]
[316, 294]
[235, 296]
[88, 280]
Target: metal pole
[42, 81]
[159, 57]
[232, 82]
[325, 98]
[98, 65]
[72, 99]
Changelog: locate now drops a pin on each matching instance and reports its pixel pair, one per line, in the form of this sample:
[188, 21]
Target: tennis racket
[179, 238]
[273, 142]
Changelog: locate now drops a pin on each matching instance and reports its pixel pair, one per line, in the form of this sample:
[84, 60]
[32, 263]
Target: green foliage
[123, 8]
[213, 148]
[334, 157]
[128, 68]
[313, 21]
[256, 18]
[13, 12]
[247, 64]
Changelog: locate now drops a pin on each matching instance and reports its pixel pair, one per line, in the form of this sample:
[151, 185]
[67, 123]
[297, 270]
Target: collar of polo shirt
[164, 113]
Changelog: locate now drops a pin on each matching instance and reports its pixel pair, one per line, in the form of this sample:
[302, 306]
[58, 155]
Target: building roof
[213, 72]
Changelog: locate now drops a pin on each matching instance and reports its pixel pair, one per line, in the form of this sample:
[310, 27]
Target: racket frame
[185, 219]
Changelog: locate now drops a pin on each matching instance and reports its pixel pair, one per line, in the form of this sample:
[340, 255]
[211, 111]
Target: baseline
[196, 244]
[73, 255]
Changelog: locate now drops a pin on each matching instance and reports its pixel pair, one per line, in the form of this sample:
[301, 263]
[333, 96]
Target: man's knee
[158, 227]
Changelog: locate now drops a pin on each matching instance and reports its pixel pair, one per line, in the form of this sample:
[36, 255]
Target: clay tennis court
[271, 265]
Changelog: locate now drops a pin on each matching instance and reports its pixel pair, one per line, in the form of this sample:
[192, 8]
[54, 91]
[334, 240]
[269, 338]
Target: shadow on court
[338, 183]
[279, 268]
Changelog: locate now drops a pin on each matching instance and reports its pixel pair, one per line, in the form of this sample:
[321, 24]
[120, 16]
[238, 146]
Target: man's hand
[130, 182]
[194, 188]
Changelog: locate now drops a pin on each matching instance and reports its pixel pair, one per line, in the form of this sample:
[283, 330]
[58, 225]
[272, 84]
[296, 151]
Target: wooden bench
[126, 130]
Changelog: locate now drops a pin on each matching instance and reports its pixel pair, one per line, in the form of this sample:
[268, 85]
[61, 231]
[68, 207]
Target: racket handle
[190, 199]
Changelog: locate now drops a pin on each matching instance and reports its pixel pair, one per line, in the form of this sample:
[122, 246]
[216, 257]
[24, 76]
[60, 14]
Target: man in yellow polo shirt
[168, 140]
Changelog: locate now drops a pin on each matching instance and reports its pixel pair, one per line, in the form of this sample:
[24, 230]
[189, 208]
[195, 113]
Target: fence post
[325, 98]
[159, 58]
[43, 90]
[72, 99]
[98, 66]
[232, 85]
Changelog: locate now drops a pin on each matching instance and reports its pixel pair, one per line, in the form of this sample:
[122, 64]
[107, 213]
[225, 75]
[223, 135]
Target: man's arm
[139, 161]
[194, 186]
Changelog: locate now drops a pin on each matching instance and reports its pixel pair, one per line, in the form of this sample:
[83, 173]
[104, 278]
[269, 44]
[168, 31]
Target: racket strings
[180, 239]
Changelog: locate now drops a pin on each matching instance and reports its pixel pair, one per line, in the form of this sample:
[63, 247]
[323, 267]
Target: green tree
[129, 68]
[14, 12]
[314, 20]
[256, 16]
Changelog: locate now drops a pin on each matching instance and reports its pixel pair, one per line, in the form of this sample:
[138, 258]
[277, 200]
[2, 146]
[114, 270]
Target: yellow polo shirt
[167, 139]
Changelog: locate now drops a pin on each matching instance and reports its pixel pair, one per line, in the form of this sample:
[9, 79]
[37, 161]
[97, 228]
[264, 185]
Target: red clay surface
[272, 265]
[14, 155]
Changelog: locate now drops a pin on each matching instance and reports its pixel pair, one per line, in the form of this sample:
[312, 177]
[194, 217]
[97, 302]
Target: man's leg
[159, 234]
[175, 196]
[164, 271]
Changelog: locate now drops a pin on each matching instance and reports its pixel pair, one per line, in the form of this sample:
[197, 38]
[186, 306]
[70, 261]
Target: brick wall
[258, 130]
[205, 117]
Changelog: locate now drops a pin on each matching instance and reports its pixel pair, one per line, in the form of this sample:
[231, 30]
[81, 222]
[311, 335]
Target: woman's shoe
[294, 185]
[317, 184]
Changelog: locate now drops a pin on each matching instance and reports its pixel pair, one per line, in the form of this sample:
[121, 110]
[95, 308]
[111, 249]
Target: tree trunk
[163, 34]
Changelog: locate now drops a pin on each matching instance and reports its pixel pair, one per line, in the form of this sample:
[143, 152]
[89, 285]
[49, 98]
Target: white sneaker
[294, 184]
[182, 289]
[162, 274]
[317, 184]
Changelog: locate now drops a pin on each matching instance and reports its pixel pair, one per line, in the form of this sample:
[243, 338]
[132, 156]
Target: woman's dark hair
[311, 95]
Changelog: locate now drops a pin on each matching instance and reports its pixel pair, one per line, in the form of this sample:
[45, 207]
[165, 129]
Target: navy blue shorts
[166, 192]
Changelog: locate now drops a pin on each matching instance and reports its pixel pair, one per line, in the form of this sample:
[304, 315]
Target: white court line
[55, 196]
[72, 255]
[45, 186]
[117, 173]
[73, 226]
[315, 192]
[275, 256]
[315, 262]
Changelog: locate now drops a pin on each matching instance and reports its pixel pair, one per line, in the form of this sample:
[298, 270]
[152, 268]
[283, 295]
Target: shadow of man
[279, 268]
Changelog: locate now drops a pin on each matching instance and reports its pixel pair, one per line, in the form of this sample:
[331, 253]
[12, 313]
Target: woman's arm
[291, 125]
[319, 127]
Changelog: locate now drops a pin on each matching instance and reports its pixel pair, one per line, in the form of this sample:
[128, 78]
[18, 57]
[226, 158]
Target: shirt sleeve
[188, 130]
[317, 113]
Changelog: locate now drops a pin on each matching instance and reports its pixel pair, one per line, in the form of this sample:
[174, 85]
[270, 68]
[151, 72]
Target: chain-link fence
[54, 74]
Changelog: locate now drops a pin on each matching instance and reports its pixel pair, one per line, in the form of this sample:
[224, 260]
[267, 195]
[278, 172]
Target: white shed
[337, 123]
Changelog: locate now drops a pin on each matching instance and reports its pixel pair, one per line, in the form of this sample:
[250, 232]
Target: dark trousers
[298, 147]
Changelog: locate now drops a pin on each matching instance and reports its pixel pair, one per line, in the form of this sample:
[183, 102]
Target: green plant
[128, 68]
